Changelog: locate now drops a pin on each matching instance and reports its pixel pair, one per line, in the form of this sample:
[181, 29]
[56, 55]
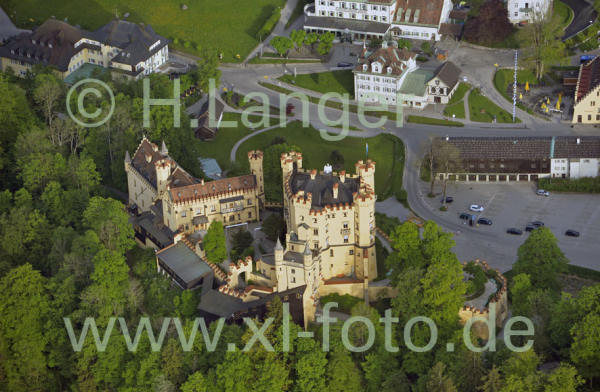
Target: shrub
[269, 25]
[476, 284]
[402, 197]
[345, 302]
[580, 185]
[386, 223]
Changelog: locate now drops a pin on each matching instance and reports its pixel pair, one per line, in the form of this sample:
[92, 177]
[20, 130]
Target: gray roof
[354, 25]
[133, 39]
[448, 73]
[211, 168]
[154, 226]
[321, 188]
[184, 262]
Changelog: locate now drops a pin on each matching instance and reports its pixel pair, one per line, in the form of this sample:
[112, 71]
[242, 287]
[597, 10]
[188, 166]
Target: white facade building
[358, 20]
[526, 10]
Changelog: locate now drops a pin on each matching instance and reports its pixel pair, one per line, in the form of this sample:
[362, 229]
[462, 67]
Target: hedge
[269, 24]
[580, 185]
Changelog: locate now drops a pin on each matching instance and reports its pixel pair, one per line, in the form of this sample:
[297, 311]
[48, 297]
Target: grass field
[481, 109]
[324, 82]
[563, 12]
[460, 92]
[434, 121]
[386, 150]
[457, 109]
[228, 26]
[220, 147]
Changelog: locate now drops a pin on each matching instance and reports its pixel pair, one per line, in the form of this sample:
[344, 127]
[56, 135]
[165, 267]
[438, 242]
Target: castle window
[293, 271]
[316, 231]
[249, 215]
[183, 214]
[293, 279]
[331, 252]
[249, 202]
[351, 251]
[345, 225]
[345, 239]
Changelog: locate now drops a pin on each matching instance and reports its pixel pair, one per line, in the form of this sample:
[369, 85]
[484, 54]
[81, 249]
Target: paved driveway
[515, 205]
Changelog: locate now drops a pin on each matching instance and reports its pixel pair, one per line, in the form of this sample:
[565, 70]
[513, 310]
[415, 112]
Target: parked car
[571, 233]
[514, 231]
[530, 227]
[476, 208]
[344, 65]
[541, 192]
[449, 199]
[465, 216]
[484, 221]
[537, 224]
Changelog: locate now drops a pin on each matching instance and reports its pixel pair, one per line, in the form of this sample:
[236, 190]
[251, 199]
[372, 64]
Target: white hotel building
[358, 20]
[526, 10]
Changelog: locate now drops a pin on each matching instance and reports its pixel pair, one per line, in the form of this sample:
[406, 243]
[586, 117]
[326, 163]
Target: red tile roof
[589, 78]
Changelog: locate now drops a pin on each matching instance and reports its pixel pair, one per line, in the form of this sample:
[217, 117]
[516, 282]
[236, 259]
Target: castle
[169, 200]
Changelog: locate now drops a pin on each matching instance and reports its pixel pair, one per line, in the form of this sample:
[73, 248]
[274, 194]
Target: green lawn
[228, 26]
[220, 147]
[386, 150]
[324, 82]
[434, 121]
[563, 12]
[481, 109]
[457, 109]
[460, 92]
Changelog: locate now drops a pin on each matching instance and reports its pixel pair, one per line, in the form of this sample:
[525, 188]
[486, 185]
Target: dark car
[484, 221]
[538, 224]
[449, 199]
[465, 216]
[514, 231]
[530, 227]
[344, 65]
[571, 233]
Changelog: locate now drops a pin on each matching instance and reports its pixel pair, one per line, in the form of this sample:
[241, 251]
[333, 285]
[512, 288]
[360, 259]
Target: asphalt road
[583, 15]
[499, 250]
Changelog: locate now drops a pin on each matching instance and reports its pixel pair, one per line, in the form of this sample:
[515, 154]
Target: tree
[563, 379]
[196, 383]
[342, 373]
[273, 226]
[404, 43]
[541, 42]
[337, 160]
[325, 43]
[585, 351]
[108, 218]
[311, 38]
[281, 44]
[215, 243]
[445, 158]
[492, 382]
[438, 381]
[520, 372]
[490, 26]
[297, 37]
[208, 68]
[242, 243]
[542, 259]
[47, 94]
[24, 303]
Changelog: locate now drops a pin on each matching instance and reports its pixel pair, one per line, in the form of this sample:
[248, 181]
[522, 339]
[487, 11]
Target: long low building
[503, 159]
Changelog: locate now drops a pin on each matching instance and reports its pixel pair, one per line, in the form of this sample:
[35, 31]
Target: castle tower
[163, 171]
[255, 158]
[366, 170]
[280, 272]
[365, 260]
[130, 188]
[290, 161]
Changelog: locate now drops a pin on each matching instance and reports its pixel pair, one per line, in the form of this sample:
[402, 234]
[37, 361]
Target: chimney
[335, 190]
[343, 176]
[202, 181]
[313, 174]
[578, 140]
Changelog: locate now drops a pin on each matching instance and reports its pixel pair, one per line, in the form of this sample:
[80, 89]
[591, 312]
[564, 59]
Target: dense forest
[67, 251]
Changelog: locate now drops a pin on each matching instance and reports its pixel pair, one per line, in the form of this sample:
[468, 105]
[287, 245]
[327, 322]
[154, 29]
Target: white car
[541, 192]
[476, 208]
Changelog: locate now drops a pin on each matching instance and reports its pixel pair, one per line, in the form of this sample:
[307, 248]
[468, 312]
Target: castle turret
[366, 170]
[255, 158]
[280, 272]
[163, 148]
[163, 171]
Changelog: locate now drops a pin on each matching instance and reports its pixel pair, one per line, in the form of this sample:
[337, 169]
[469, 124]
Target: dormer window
[365, 67]
[389, 70]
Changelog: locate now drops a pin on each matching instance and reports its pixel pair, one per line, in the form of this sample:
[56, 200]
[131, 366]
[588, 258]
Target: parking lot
[515, 205]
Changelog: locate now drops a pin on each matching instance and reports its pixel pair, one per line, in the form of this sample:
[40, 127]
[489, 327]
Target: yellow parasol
[548, 100]
[543, 105]
[546, 109]
[527, 85]
[558, 105]
[521, 96]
